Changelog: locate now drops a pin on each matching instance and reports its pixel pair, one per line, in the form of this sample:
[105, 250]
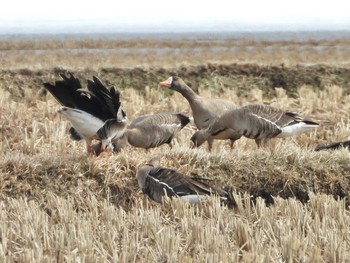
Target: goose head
[199, 137]
[174, 83]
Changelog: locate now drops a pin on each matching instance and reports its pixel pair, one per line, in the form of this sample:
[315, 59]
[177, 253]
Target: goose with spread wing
[158, 182]
[259, 122]
[94, 113]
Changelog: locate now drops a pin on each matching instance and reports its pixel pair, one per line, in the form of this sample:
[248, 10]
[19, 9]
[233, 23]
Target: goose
[334, 146]
[152, 130]
[257, 121]
[157, 182]
[94, 113]
[204, 110]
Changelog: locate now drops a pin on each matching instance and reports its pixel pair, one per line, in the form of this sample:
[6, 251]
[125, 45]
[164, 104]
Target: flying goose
[94, 113]
[334, 146]
[204, 110]
[152, 130]
[156, 182]
[258, 122]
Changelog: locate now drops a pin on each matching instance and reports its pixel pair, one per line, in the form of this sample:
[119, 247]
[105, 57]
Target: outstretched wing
[109, 100]
[68, 92]
[97, 100]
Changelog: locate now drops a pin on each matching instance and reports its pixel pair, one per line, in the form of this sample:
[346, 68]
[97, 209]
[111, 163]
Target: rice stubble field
[288, 203]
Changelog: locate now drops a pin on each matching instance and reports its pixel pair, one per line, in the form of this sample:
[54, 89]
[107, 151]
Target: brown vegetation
[288, 203]
[96, 54]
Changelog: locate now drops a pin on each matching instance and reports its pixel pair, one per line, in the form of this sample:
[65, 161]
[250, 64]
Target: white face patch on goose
[170, 80]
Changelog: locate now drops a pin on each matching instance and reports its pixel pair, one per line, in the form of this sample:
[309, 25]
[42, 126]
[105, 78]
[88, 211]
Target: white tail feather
[295, 129]
[194, 199]
[84, 123]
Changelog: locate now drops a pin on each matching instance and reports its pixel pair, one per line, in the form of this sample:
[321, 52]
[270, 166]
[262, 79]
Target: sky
[157, 15]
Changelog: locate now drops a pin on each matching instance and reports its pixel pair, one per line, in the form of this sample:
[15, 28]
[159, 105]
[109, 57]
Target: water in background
[254, 35]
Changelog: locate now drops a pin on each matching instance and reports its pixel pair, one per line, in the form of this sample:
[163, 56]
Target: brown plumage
[204, 110]
[152, 130]
[258, 122]
[156, 182]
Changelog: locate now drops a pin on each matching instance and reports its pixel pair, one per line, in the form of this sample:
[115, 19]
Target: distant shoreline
[273, 35]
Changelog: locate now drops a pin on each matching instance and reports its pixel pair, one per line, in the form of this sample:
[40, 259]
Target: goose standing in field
[334, 146]
[258, 122]
[156, 182]
[152, 130]
[204, 110]
[95, 112]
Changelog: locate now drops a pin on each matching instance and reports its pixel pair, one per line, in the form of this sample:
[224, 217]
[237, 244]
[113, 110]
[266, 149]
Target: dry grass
[85, 229]
[59, 205]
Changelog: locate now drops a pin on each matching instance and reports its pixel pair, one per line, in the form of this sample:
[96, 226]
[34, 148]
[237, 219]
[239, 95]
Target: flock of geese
[96, 113]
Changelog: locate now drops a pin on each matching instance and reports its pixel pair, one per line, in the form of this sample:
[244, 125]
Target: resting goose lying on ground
[156, 182]
[204, 110]
[258, 122]
[95, 113]
[152, 130]
[334, 146]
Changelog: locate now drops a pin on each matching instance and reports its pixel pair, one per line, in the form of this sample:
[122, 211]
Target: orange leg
[90, 148]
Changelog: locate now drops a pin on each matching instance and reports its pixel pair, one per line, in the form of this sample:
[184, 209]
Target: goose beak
[165, 84]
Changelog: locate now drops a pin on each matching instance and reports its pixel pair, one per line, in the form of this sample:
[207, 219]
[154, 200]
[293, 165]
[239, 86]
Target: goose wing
[156, 188]
[245, 122]
[109, 105]
[68, 92]
[333, 146]
[111, 129]
[281, 117]
[180, 184]
[153, 130]
[162, 118]
[97, 100]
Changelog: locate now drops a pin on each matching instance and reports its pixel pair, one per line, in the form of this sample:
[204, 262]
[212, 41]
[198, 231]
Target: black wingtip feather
[184, 119]
[333, 146]
[310, 122]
